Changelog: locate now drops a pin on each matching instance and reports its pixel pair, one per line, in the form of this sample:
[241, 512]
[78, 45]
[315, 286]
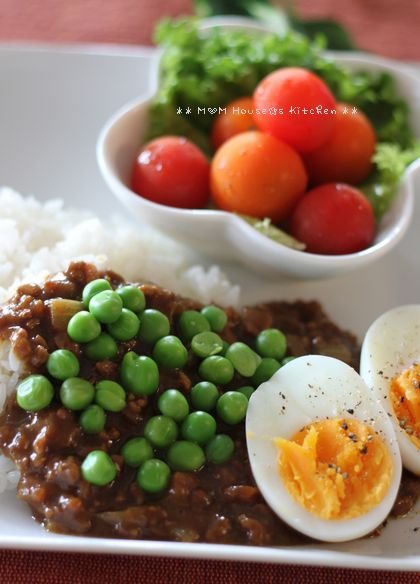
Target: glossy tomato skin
[239, 117]
[296, 106]
[347, 155]
[258, 175]
[334, 219]
[172, 171]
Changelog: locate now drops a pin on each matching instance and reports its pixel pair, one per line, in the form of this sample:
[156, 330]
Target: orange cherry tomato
[238, 118]
[295, 105]
[347, 155]
[258, 175]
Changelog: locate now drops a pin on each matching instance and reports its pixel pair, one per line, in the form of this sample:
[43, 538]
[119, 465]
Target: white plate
[47, 147]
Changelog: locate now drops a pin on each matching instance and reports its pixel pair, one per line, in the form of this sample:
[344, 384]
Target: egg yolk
[336, 469]
[405, 398]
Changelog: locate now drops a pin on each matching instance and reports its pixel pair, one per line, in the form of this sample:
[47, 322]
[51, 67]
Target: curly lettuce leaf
[391, 161]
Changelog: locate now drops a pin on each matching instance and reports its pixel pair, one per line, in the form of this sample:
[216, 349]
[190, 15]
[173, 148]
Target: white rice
[37, 239]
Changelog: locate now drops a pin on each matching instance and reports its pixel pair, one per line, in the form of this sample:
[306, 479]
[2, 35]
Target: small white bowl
[226, 236]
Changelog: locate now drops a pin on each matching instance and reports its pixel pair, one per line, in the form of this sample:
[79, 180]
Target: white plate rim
[296, 555]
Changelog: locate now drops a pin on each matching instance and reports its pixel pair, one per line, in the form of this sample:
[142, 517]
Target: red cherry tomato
[347, 155]
[296, 106]
[172, 171]
[255, 174]
[334, 219]
[239, 117]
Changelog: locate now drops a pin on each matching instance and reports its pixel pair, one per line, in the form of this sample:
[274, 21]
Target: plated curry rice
[127, 418]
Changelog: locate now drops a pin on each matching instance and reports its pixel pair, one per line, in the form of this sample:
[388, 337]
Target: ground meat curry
[217, 503]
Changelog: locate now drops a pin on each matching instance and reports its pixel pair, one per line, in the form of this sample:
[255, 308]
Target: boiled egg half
[322, 450]
[390, 365]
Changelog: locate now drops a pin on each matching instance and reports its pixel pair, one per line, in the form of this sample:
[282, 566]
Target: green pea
[98, 468]
[198, 427]
[110, 396]
[243, 358]
[139, 374]
[161, 431]
[174, 404]
[265, 371]
[106, 306]
[247, 391]
[231, 407]
[216, 369]
[102, 348]
[190, 323]
[76, 393]
[83, 327]
[204, 396]
[153, 476]
[220, 449]
[93, 288]
[206, 344]
[126, 327]
[132, 297]
[93, 419]
[62, 364]
[136, 451]
[170, 352]
[271, 343]
[287, 360]
[34, 393]
[216, 316]
[186, 456]
[154, 326]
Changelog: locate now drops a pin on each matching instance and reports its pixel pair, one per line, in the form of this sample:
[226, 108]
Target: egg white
[391, 345]
[306, 390]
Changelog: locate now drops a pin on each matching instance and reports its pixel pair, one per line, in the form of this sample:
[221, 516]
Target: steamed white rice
[37, 239]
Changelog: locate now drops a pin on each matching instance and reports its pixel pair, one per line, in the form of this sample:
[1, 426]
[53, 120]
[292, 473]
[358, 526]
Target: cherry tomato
[347, 155]
[172, 171]
[258, 175]
[296, 106]
[334, 219]
[239, 117]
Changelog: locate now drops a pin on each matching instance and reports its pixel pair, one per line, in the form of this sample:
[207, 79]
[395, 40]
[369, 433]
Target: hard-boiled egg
[390, 365]
[323, 452]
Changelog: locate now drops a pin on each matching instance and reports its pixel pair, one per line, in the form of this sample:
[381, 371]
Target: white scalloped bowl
[223, 235]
